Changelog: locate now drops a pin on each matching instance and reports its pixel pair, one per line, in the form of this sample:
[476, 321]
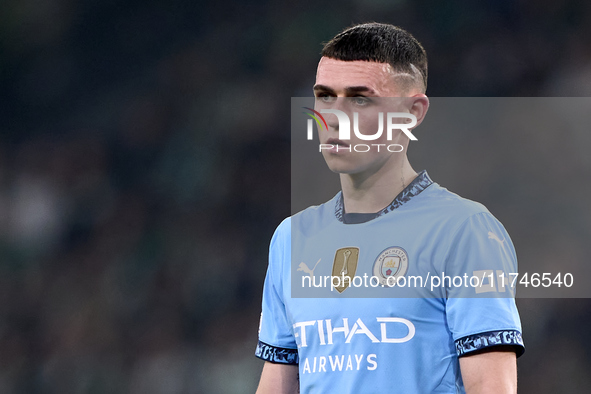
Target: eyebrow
[349, 91]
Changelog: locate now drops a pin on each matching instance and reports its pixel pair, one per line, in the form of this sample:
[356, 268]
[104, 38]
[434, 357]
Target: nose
[332, 121]
[337, 103]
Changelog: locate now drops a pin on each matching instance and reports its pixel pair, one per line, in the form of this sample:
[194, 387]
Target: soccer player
[387, 222]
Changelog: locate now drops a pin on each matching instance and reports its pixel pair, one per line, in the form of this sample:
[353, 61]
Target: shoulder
[309, 219]
[316, 217]
[446, 206]
[455, 204]
[283, 228]
[451, 217]
[281, 236]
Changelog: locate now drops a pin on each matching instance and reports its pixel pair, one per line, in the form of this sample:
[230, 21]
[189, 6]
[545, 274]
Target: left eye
[361, 101]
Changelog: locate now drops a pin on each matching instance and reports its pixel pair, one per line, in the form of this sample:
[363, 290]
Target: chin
[336, 165]
[338, 168]
[343, 168]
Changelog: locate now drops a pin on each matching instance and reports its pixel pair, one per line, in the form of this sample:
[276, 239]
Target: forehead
[339, 74]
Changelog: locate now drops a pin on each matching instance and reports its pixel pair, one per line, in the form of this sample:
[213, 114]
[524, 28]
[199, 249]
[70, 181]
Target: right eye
[325, 98]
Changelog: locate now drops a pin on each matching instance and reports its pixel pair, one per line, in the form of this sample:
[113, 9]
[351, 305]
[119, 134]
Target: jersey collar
[420, 183]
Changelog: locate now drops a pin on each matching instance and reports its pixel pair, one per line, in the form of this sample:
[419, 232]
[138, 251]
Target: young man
[391, 223]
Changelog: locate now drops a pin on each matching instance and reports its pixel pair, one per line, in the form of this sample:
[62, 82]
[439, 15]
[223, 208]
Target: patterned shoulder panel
[275, 354]
[485, 340]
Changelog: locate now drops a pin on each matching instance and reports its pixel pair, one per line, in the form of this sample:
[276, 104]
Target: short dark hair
[383, 43]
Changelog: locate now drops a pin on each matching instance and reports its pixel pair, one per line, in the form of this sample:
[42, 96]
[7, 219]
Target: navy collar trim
[420, 183]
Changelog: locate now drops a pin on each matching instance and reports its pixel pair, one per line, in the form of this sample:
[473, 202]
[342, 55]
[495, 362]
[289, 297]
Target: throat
[361, 213]
[372, 197]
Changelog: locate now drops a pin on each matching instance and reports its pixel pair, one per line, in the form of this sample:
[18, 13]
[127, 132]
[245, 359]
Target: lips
[336, 141]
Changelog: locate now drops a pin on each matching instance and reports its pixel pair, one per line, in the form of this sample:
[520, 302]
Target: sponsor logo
[304, 267]
[494, 236]
[340, 363]
[328, 334]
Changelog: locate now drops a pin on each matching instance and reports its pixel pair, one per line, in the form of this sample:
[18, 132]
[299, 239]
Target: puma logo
[304, 267]
[494, 236]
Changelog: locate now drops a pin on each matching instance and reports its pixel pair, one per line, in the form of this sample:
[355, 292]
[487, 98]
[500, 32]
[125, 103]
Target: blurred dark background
[144, 164]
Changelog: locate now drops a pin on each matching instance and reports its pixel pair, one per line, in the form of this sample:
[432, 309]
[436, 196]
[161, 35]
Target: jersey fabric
[376, 338]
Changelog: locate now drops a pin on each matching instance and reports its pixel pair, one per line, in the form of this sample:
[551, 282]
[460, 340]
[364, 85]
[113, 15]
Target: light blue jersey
[367, 334]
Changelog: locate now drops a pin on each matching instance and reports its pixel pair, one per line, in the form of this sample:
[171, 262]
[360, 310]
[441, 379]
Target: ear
[419, 107]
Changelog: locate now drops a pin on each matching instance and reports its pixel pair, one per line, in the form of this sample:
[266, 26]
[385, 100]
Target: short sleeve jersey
[361, 337]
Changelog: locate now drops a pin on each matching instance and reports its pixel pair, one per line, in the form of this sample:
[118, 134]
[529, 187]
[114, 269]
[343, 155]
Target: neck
[370, 192]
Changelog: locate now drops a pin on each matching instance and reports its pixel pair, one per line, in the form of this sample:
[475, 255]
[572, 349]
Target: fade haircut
[382, 43]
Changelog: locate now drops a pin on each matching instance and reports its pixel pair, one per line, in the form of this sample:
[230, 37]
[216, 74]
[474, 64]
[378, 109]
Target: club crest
[391, 263]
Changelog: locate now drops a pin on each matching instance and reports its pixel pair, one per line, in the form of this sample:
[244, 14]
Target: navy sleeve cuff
[278, 355]
[473, 343]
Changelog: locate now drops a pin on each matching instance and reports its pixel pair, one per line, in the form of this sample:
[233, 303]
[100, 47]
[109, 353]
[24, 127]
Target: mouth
[336, 141]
